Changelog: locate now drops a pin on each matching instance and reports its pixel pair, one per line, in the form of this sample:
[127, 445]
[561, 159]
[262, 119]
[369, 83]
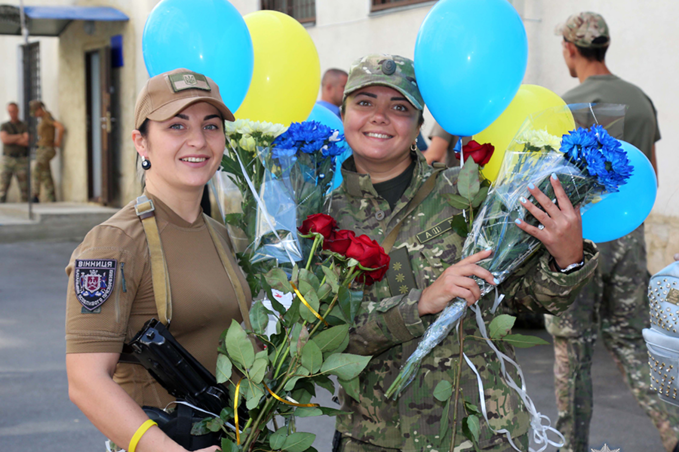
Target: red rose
[481, 153]
[370, 255]
[339, 241]
[320, 223]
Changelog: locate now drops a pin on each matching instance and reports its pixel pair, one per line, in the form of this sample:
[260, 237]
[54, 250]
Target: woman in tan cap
[391, 194]
[159, 257]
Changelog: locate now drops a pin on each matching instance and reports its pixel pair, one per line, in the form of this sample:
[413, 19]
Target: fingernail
[522, 199]
[495, 280]
[554, 176]
[531, 186]
[517, 221]
[489, 249]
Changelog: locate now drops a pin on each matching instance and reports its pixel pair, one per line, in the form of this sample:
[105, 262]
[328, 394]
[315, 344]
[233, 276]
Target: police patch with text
[94, 280]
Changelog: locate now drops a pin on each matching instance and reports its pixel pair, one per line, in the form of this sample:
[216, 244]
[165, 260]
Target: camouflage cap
[166, 94]
[388, 70]
[585, 29]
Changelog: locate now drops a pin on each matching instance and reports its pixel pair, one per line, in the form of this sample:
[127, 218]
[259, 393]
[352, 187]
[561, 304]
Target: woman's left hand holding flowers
[562, 224]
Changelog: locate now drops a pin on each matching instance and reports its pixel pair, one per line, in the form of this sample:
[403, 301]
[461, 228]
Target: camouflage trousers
[43, 174]
[348, 444]
[14, 166]
[615, 303]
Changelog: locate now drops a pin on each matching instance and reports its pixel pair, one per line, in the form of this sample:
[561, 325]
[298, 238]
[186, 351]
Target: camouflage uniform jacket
[388, 327]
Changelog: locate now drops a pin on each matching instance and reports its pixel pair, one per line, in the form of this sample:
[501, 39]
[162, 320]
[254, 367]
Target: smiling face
[380, 125]
[185, 151]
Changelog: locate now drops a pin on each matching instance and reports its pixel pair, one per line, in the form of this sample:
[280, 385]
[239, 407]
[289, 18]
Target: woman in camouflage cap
[382, 114]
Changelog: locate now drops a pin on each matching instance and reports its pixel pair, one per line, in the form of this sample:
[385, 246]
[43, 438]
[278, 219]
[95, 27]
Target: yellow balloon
[529, 100]
[287, 72]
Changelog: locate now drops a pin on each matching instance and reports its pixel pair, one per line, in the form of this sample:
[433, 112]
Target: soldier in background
[615, 300]
[332, 88]
[50, 134]
[14, 136]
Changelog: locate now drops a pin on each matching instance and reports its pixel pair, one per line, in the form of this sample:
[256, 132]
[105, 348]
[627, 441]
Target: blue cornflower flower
[575, 143]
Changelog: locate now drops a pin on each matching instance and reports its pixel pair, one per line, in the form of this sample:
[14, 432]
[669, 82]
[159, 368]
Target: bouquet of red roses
[307, 346]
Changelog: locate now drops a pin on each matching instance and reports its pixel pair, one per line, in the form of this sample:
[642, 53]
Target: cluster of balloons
[265, 63]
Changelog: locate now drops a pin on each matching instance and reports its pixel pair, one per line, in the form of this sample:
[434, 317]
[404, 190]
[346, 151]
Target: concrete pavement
[36, 414]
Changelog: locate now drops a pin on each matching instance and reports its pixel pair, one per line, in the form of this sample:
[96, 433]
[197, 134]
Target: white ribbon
[540, 430]
[260, 203]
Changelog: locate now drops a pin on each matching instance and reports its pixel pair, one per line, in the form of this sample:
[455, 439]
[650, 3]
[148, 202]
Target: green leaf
[344, 365]
[324, 382]
[330, 339]
[443, 391]
[444, 424]
[522, 341]
[304, 393]
[229, 446]
[200, 428]
[258, 370]
[311, 298]
[226, 414]
[456, 201]
[480, 197]
[501, 326]
[278, 438]
[333, 411]
[460, 226]
[278, 280]
[308, 277]
[312, 357]
[259, 317]
[239, 346]
[472, 409]
[471, 428]
[468, 181]
[254, 394]
[224, 368]
[215, 424]
[299, 442]
[343, 346]
[298, 339]
[275, 304]
[308, 412]
[325, 291]
[344, 300]
[301, 373]
[331, 278]
[351, 387]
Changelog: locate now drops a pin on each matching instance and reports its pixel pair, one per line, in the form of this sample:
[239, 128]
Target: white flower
[539, 139]
[334, 137]
[248, 143]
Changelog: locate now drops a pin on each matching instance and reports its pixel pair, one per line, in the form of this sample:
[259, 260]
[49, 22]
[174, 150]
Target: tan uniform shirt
[203, 299]
[46, 131]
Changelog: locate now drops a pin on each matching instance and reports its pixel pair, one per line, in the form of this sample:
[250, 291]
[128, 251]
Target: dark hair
[144, 128]
[9, 104]
[331, 75]
[593, 53]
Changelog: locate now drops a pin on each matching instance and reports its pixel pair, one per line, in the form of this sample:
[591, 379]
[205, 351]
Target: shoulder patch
[94, 279]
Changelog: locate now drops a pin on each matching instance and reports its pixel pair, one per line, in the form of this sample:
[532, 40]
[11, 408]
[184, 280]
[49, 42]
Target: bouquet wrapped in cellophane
[272, 178]
[588, 162]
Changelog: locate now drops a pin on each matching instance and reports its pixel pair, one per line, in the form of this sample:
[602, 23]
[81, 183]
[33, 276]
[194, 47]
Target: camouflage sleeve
[535, 287]
[384, 324]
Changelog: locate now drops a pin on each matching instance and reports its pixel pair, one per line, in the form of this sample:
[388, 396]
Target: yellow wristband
[139, 433]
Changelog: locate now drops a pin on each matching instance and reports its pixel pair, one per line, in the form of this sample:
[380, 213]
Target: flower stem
[457, 383]
[317, 240]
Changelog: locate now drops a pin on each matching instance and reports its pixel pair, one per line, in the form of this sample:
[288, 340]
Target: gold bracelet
[139, 433]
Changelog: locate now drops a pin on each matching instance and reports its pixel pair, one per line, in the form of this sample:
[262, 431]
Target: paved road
[36, 414]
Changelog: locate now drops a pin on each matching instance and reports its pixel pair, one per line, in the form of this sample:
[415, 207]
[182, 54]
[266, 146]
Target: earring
[145, 164]
[413, 147]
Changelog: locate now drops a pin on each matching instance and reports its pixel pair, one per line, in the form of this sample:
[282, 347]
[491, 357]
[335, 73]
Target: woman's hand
[454, 282]
[562, 232]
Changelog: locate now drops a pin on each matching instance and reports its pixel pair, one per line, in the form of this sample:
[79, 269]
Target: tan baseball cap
[585, 29]
[167, 94]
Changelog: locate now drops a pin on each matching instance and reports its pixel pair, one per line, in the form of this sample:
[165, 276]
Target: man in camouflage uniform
[388, 325]
[14, 136]
[615, 300]
[50, 134]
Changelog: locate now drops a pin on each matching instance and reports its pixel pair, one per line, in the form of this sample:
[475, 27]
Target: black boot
[35, 200]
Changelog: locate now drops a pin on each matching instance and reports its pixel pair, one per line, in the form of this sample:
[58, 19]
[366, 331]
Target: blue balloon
[323, 115]
[470, 59]
[205, 36]
[620, 213]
